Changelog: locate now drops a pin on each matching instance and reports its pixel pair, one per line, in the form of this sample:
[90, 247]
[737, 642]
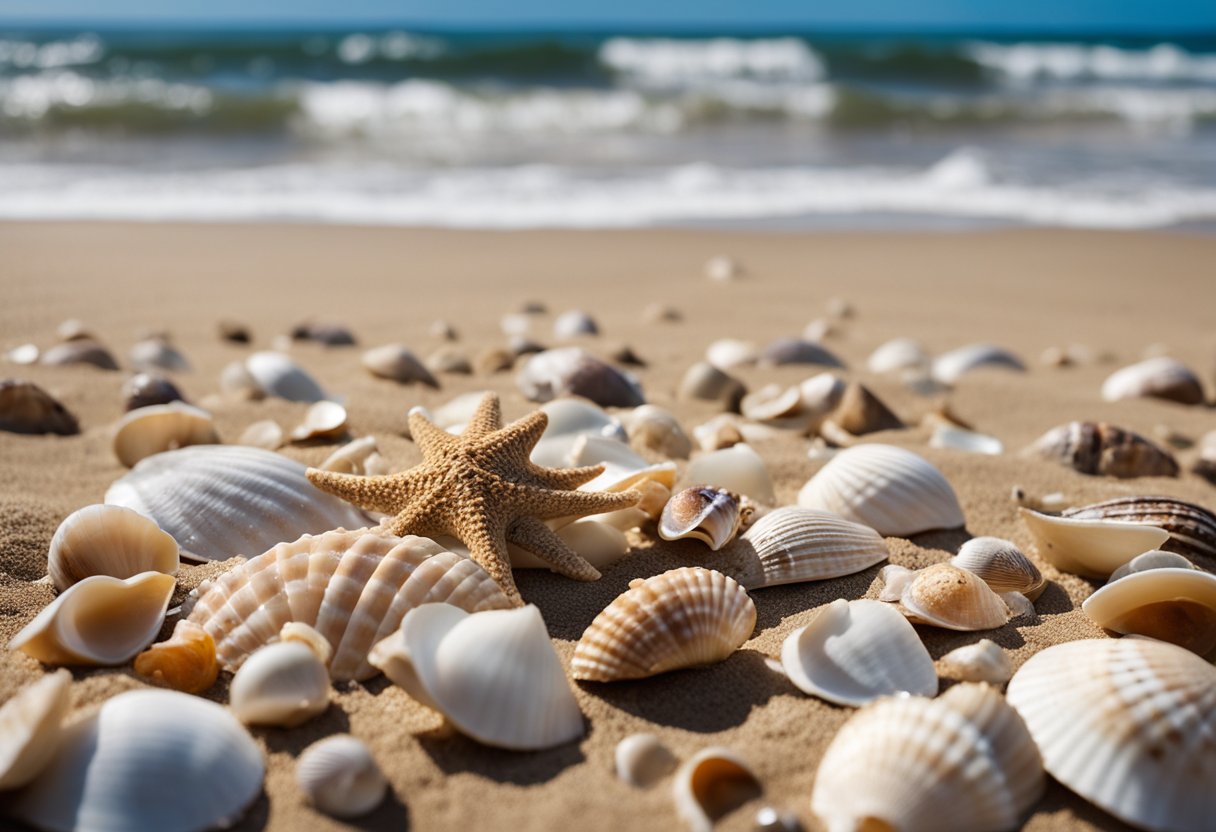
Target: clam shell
[897, 354]
[642, 760]
[449, 360]
[1154, 559]
[963, 762]
[983, 661]
[705, 382]
[264, 433]
[149, 759]
[185, 662]
[890, 489]
[711, 515]
[792, 544]
[574, 323]
[952, 598]
[324, 420]
[797, 351]
[1128, 725]
[277, 375]
[494, 674]
[1091, 548]
[711, 784]
[352, 587]
[108, 540]
[283, 684]
[861, 412]
[145, 389]
[657, 430]
[729, 353]
[80, 351]
[161, 427]
[1158, 378]
[772, 402]
[219, 501]
[570, 419]
[1168, 604]
[397, 363]
[682, 618]
[1099, 448]
[737, 468]
[854, 652]
[572, 371]
[99, 620]
[959, 439]
[1192, 528]
[339, 776]
[31, 728]
[1001, 564]
[27, 408]
[950, 367]
[157, 354]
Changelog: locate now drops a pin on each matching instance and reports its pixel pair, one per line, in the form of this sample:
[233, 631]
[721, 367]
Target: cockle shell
[797, 351]
[1174, 605]
[897, 354]
[853, 652]
[324, 420]
[339, 776]
[185, 662]
[283, 684]
[27, 408]
[99, 620]
[711, 515]
[792, 544]
[148, 759]
[494, 674]
[145, 389]
[1192, 528]
[1099, 448]
[569, 419]
[658, 430]
[682, 618]
[1091, 548]
[642, 760]
[157, 354]
[219, 500]
[730, 353]
[963, 762]
[572, 371]
[161, 427]
[1153, 559]
[574, 323]
[951, 366]
[1158, 378]
[983, 661]
[1128, 725]
[1002, 566]
[108, 540]
[705, 382]
[277, 375]
[946, 596]
[397, 363]
[711, 784]
[889, 489]
[737, 468]
[80, 351]
[31, 728]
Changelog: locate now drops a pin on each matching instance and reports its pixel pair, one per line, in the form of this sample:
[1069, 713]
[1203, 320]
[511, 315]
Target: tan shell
[1157, 378]
[656, 429]
[1092, 548]
[711, 515]
[397, 363]
[984, 661]
[792, 544]
[1099, 448]
[952, 598]
[31, 728]
[283, 684]
[264, 433]
[861, 412]
[1174, 605]
[185, 662]
[642, 760]
[1152, 559]
[162, 427]
[108, 540]
[711, 784]
[339, 776]
[705, 382]
[1002, 566]
[1192, 528]
[27, 408]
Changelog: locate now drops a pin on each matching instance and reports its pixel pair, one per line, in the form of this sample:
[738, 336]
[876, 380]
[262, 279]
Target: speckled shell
[277, 375]
[1093, 548]
[711, 515]
[1174, 605]
[108, 540]
[31, 727]
[572, 371]
[1128, 725]
[682, 618]
[339, 776]
[27, 408]
[161, 427]
[1158, 378]
[792, 544]
[1002, 566]
[951, 366]
[1192, 528]
[1099, 448]
[353, 587]
[952, 598]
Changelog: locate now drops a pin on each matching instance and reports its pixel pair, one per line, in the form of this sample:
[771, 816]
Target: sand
[1117, 294]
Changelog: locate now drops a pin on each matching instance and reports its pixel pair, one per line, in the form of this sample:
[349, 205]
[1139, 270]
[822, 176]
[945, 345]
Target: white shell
[339, 776]
[108, 540]
[772, 402]
[737, 468]
[889, 489]
[642, 760]
[324, 420]
[358, 456]
[960, 439]
[235, 380]
[1174, 605]
[1001, 564]
[99, 620]
[705, 382]
[656, 429]
[624, 468]
[568, 420]
[895, 580]
[277, 375]
[574, 323]
[950, 367]
[897, 354]
[728, 353]
[955, 599]
[723, 269]
[218, 501]
[1161, 378]
[494, 674]
[853, 652]
[984, 661]
[572, 371]
[792, 544]
[31, 728]
[397, 363]
[264, 433]
[161, 427]
[1154, 559]
[157, 354]
[1092, 548]
[710, 784]
[149, 759]
[282, 684]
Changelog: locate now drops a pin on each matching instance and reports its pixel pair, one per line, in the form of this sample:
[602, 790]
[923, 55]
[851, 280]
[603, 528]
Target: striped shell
[792, 544]
[682, 618]
[353, 587]
[1002, 566]
[1192, 528]
[339, 776]
[1099, 448]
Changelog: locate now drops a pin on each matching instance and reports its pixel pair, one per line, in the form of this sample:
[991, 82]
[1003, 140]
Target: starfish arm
[564, 478]
[511, 446]
[547, 503]
[486, 420]
[488, 546]
[533, 535]
[433, 441]
[417, 519]
[385, 494]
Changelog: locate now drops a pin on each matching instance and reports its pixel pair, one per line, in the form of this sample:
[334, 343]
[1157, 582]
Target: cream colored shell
[1160, 378]
[1153, 559]
[658, 430]
[793, 544]
[1001, 564]
[955, 599]
[737, 468]
[108, 540]
[642, 760]
[897, 354]
[710, 784]
[397, 363]
[339, 776]
[323, 420]
[1092, 548]
[31, 727]
[1168, 604]
[983, 661]
[161, 427]
[283, 684]
[949, 367]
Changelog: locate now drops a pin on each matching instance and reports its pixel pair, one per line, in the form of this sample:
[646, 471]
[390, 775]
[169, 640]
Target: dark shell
[860, 412]
[705, 382]
[523, 345]
[798, 351]
[145, 389]
[234, 332]
[625, 355]
[1192, 528]
[571, 371]
[80, 351]
[331, 335]
[27, 408]
[1099, 448]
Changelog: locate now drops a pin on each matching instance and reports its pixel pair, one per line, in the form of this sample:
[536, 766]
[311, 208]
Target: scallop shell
[339, 776]
[729, 353]
[705, 382]
[185, 662]
[892, 490]
[963, 762]
[1154, 559]
[574, 323]
[283, 684]
[397, 363]
[861, 412]
[1099, 448]
[1192, 528]
[1002, 566]
[1091, 548]
[950, 367]
[854, 652]
[277, 375]
[1128, 725]
[897, 354]
[162, 427]
[792, 544]
[99, 620]
[494, 674]
[642, 760]
[711, 515]
[657, 430]
[797, 351]
[952, 598]
[1168, 604]
[737, 468]
[682, 618]
[570, 419]
[27, 408]
[148, 759]
[108, 540]
[711, 784]
[1158, 378]
[157, 354]
[145, 389]
[324, 420]
[31, 728]
[983, 661]
[219, 501]
[572, 371]
[80, 351]
[352, 587]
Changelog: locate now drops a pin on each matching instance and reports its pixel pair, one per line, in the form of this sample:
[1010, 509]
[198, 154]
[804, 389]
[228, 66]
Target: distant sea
[545, 129]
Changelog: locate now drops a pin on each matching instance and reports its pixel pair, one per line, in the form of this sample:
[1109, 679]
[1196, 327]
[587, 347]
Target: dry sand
[1118, 294]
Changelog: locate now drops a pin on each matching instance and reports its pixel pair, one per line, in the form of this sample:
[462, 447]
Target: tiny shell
[1168, 604]
[1154, 559]
[161, 427]
[265, 434]
[359, 456]
[80, 351]
[108, 540]
[324, 420]
[397, 363]
[642, 760]
[1158, 378]
[1192, 528]
[449, 360]
[340, 777]
[443, 330]
[31, 728]
[737, 468]
[658, 313]
[895, 580]
[954, 599]
[711, 784]
[572, 371]
[1099, 448]
[236, 381]
[711, 515]
[329, 334]
[277, 375]
[723, 269]
[283, 684]
[27, 408]
[1091, 548]
[983, 661]
[861, 412]
[705, 382]
[658, 430]
[144, 389]
[897, 354]
[950, 367]
[574, 324]
[793, 544]
[185, 662]
[234, 332]
[730, 353]
[1002, 566]
[23, 354]
[157, 354]
[797, 351]
[949, 436]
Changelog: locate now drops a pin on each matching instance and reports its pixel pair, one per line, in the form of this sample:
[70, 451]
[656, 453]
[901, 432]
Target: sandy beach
[1121, 295]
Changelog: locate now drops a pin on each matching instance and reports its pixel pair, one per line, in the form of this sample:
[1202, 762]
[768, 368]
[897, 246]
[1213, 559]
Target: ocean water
[519, 130]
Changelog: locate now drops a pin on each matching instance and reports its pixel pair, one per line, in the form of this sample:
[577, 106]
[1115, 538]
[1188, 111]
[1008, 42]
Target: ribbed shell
[108, 540]
[1192, 528]
[891, 490]
[340, 777]
[1159, 378]
[1128, 724]
[1093, 548]
[1001, 564]
[682, 618]
[792, 544]
[1099, 448]
[218, 501]
[946, 596]
[352, 587]
[1174, 605]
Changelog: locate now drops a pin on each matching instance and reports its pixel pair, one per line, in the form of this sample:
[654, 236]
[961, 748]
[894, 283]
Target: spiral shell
[1099, 448]
[793, 544]
[340, 777]
[711, 515]
[1192, 528]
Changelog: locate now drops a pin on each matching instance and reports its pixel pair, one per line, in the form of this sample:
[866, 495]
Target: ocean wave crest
[1162, 62]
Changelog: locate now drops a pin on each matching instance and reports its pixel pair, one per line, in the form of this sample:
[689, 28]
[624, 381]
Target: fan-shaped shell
[27, 408]
[1128, 725]
[340, 777]
[186, 661]
[1174, 605]
[161, 427]
[1092, 548]
[889, 489]
[1152, 559]
[218, 501]
[397, 363]
[31, 728]
[711, 515]
[705, 382]
[682, 618]
[951, 366]
[642, 760]
[737, 468]
[277, 375]
[1158, 378]
[953, 598]
[108, 540]
[984, 661]
[352, 587]
[897, 354]
[792, 544]
[710, 784]
[284, 684]
[1099, 448]
[1192, 528]
[1002, 566]
[149, 759]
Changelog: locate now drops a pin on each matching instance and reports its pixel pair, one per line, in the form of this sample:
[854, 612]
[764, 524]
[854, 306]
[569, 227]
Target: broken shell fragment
[792, 544]
[711, 515]
[27, 408]
[339, 776]
[954, 599]
[951, 366]
[80, 351]
[145, 389]
[108, 540]
[1168, 604]
[705, 382]
[277, 375]
[572, 371]
[31, 728]
[711, 784]
[895, 580]
[1099, 448]
[397, 363]
[283, 684]
[1001, 564]
[983, 661]
[161, 427]
[642, 760]
[185, 661]
[1154, 559]
[1192, 528]
[737, 468]
[324, 420]
[1157, 378]
[1091, 548]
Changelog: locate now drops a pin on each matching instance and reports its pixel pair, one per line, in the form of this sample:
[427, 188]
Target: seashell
[352, 587]
[983, 661]
[27, 408]
[218, 500]
[264, 433]
[954, 599]
[730, 353]
[711, 784]
[518, 345]
[574, 324]
[625, 354]
[819, 330]
[723, 269]
[295, 632]
[772, 402]
[324, 420]
[705, 382]
[339, 776]
[98, 621]
[711, 515]
[146, 389]
[80, 351]
[770, 819]
[861, 412]
[23, 354]
[359, 456]
[642, 760]
[1168, 604]
[31, 728]
[623, 467]
[234, 332]
[449, 360]
[963, 762]
[396, 363]
[949, 436]
[1099, 448]
[737, 468]
[1157, 378]
[236, 381]
[895, 580]
[1091, 548]
[1154, 559]
[723, 431]
[950, 367]
[329, 334]
[572, 371]
[1126, 724]
[1205, 464]
[657, 430]
[661, 313]
[791, 544]
[854, 652]
[797, 351]
[157, 354]
[897, 354]
[494, 674]
[682, 618]
[443, 330]
[892, 490]
[185, 662]
[277, 375]
[1192, 528]
[148, 759]
[570, 419]
[1001, 565]
[161, 427]
[74, 329]
[108, 540]
[283, 684]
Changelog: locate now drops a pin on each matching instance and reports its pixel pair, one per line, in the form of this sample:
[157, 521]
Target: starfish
[482, 488]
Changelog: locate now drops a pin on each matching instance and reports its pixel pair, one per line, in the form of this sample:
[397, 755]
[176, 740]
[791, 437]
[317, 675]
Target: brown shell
[1101, 448]
[1192, 528]
[27, 408]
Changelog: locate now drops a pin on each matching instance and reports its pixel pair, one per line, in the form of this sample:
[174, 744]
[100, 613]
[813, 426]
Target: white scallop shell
[1093, 548]
[710, 784]
[277, 375]
[570, 419]
[397, 363]
[737, 468]
[1154, 559]
[494, 674]
[283, 684]
[339, 776]
[897, 354]
[728, 353]
[218, 501]
[149, 759]
[983, 661]
[31, 727]
[655, 428]
[889, 489]
[1002, 566]
[161, 427]
[108, 540]
[1174, 605]
[793, 544]
[960, 439]
[955, 599]
[1161, 378]
[642, 760]
[950, 367]
[324, 420]
[853, 652]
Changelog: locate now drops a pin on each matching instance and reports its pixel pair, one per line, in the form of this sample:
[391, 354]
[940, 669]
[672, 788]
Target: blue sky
[1038, 14]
